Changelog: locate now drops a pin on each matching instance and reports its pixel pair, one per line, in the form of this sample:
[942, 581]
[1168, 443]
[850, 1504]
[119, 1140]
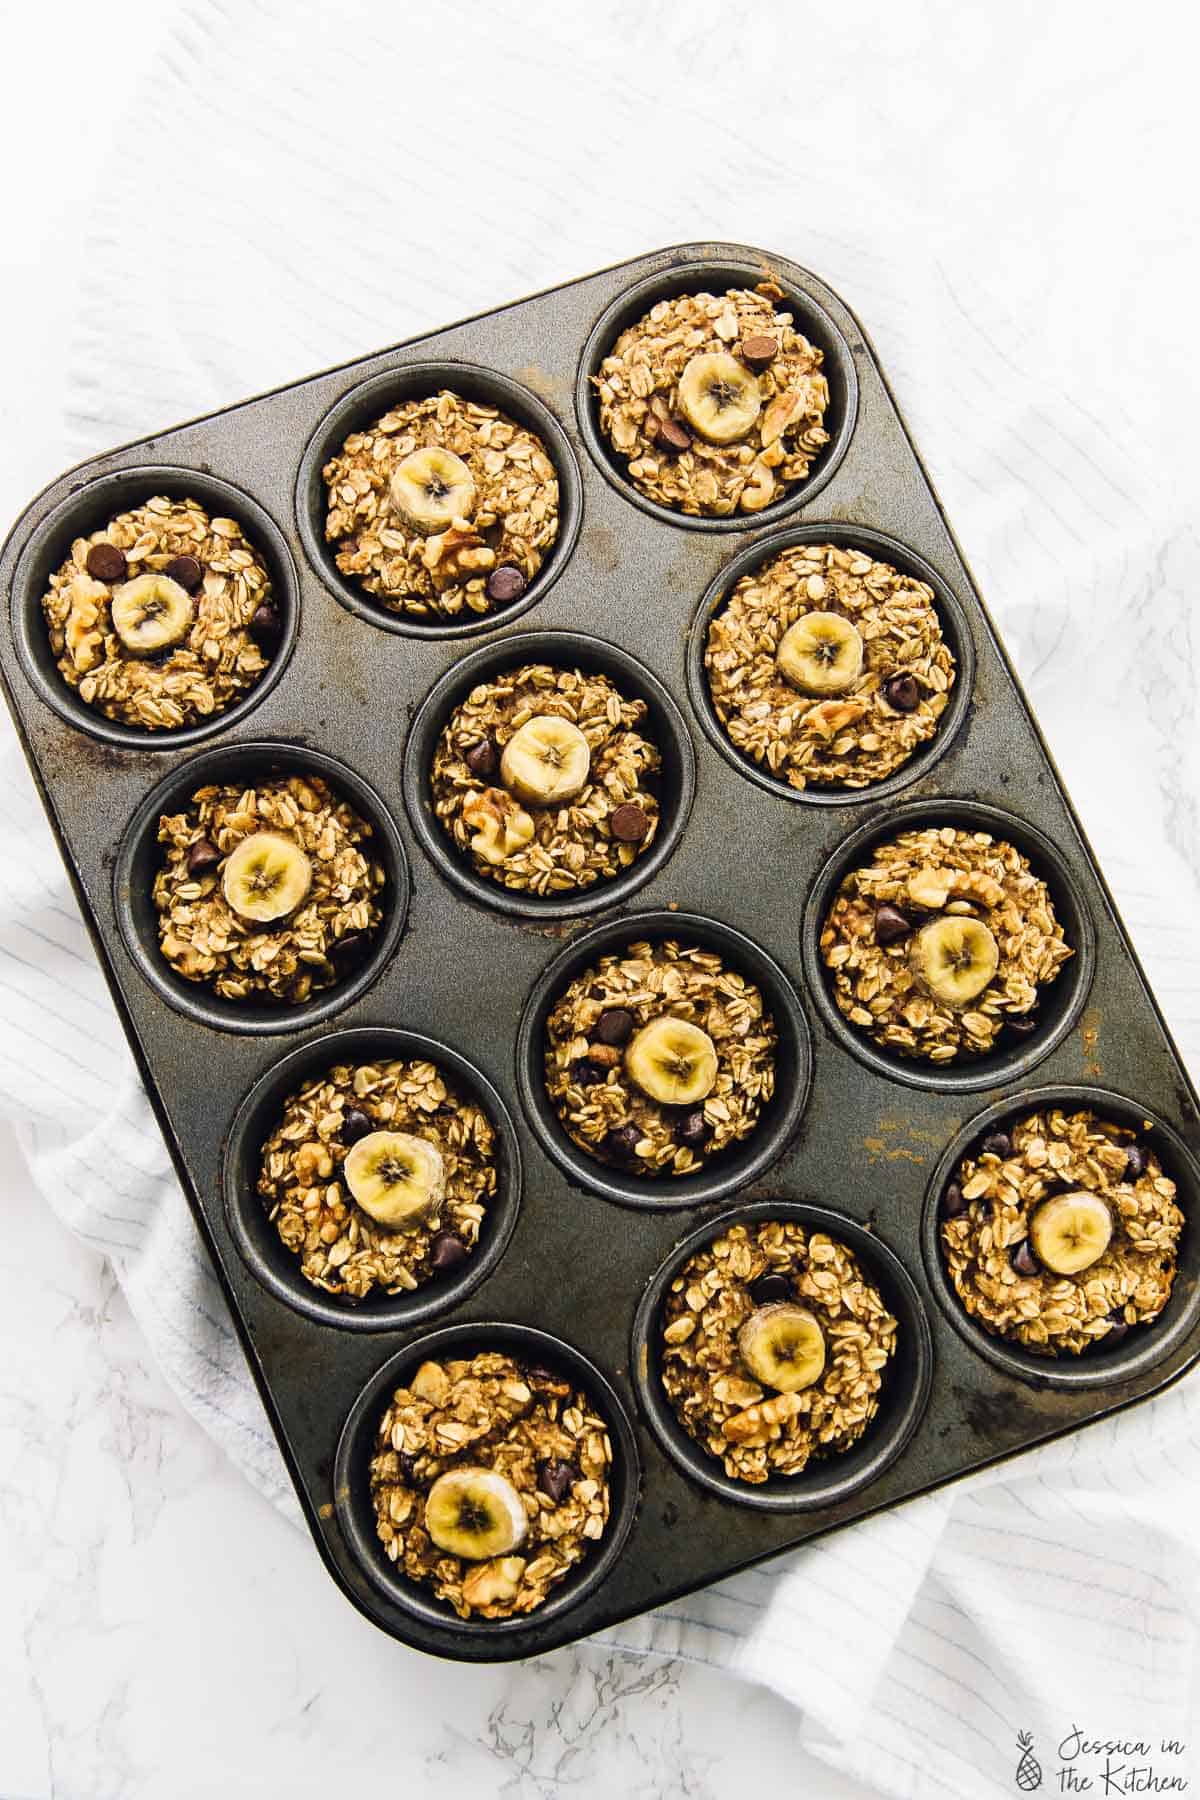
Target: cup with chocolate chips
[830, 663]
[1057, 1231]
[714, 402]
[549, 773]
[372, 1178]
[439, 497]
[782, 1355]
[174, 608]
[490, 1474]
[665, 1063]
[259, 885]
[951, 940]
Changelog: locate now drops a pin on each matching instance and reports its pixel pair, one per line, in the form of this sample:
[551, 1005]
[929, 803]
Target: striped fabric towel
[310, 182]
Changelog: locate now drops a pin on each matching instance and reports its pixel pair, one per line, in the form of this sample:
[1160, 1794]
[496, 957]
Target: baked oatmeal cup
[659, 1057]
[268, 891]
[378, 1176]
[828, 667]
[162, 617]
[942, 943]
[715, 401]
[1060, 1232]
[490, 1482]
[442, 506]
[546, 779]
[774, 1348]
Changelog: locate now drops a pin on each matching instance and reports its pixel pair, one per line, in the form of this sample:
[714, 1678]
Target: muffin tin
[573, 1259]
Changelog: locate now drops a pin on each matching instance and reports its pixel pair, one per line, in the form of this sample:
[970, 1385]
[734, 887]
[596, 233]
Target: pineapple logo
[1029, 1769]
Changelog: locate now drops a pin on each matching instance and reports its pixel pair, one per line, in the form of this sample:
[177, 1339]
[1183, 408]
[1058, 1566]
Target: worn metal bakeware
[865, 1137]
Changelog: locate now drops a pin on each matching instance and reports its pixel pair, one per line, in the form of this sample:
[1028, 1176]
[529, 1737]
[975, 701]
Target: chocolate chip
[1117, 1329]
[1137, 1161]
[1023, 1260]
[891, 925]
[902, 693]
[186, 571]
[505, 584]
[615, 1027]
[770, 1288]
[953, 1202]
[266, 626]
[555, 1478]
[355, 1125]
[539, 1372]
[1024, 1026]
[996, 1143]
[586, 1073]
[106, 563]
[408, 1466]
[674, 436]
[202, 857]
[447, 1252]
[759, 351]
[691, 1130]
[482, 760]
[629, 824]
[621, 1143]
[349, 950]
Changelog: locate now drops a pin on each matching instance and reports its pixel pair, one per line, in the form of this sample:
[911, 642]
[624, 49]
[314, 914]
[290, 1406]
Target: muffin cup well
[356, 1514]
[246, 1212]
[955, 630]
[86, 510]
[1062, 1000]
[736, 1167]
[1145, 1345]
[717, 276]
[907, 1379]
[359, 408]
[563, 649]
[139, 859]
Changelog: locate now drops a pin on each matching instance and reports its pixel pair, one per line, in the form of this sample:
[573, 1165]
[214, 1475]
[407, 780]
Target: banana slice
[474, 1513]
[719, 397]
[150, 613]
[783, 1346]
[821, 653]
[956, 958]
[1071, 1231]
[266, 877]
[431, 488]
[397, 1178]
[546, 761]
[673, 1061]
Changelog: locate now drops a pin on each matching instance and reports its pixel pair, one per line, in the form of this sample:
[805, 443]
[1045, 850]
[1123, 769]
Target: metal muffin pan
[851, 1133]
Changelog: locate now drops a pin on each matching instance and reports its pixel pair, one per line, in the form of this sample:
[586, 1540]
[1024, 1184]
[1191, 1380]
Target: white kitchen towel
[1001, 196]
